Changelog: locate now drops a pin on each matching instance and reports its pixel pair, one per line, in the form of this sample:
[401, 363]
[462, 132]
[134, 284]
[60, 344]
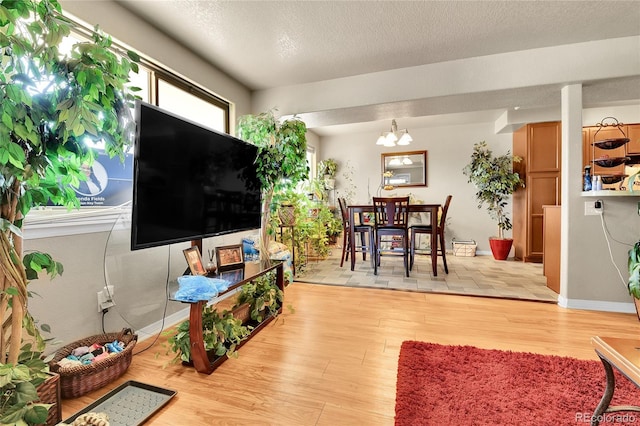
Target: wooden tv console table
[241, 276]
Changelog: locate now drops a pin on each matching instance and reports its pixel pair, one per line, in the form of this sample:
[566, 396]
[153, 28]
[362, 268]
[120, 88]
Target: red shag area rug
[465, 385]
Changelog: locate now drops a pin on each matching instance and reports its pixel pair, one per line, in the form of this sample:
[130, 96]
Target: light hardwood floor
[333, 361]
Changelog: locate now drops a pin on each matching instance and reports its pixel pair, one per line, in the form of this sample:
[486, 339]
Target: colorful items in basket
[85, 355]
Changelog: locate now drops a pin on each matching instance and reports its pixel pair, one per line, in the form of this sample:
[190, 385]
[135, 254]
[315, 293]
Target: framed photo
[192, 254]
[232, 275]
[229, 256]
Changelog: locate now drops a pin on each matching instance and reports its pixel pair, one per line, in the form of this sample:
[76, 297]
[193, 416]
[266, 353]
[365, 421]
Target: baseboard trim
[154, 328]
[596, 305]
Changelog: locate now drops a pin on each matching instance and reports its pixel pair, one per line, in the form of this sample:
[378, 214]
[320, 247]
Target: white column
[571, 182]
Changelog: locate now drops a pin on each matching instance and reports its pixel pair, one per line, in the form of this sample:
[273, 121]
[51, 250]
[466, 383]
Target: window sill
[58, 221]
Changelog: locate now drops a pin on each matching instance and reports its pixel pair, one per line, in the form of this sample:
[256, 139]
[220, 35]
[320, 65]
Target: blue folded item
[251, 253]
[194, 288]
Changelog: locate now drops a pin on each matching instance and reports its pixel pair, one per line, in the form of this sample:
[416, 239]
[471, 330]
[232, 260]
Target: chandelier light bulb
[391, 138]
[405, 139]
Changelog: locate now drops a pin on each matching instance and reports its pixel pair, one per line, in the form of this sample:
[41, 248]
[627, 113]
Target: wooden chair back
[391, 212]
[445, 209]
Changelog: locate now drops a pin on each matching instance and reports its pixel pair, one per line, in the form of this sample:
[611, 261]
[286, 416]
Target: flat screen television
[189, 181]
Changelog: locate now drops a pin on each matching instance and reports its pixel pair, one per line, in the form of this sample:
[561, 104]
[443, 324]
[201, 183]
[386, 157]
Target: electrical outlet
[105, 298]
[638, 208]
[590, 209]
[599, 206]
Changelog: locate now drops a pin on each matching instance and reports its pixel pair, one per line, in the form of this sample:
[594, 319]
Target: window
[111, 182]
[311, 162]
[195, 108]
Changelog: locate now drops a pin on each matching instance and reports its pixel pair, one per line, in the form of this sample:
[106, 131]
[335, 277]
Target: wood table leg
[352, 244]
[434, 242]
[198, 353]
[608, 393]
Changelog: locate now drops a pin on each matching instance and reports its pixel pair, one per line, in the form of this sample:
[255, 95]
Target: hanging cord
[166, 299]
[164, 311]
[605, 231]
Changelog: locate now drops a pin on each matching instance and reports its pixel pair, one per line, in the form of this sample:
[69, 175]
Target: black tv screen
[189, 182]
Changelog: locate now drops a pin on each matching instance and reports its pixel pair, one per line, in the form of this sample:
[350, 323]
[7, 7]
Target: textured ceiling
[267, 44]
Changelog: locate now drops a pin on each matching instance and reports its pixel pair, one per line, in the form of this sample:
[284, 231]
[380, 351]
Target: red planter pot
[500, 248]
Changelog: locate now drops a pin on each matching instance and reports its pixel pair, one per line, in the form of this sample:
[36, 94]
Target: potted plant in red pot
[495, 181]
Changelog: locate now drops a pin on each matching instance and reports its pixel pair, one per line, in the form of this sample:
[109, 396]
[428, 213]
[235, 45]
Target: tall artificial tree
[281, 162]
[495, 181]
[52, 104]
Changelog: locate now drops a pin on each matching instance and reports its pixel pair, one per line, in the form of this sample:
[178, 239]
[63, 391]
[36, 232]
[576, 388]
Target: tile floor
[478, 276]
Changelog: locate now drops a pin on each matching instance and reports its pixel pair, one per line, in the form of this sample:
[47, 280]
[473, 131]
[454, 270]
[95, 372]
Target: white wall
[448, 151]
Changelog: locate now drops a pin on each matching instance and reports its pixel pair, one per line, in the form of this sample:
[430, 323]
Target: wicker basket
[77, 381]
[464, 248]
[287, 215]
[49, 393]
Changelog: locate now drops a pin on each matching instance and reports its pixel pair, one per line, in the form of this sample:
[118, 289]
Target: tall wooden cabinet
[539, 145]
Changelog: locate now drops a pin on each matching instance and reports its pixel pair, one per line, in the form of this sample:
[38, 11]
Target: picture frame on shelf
[194, 260]
[229, 257]
[232, 275]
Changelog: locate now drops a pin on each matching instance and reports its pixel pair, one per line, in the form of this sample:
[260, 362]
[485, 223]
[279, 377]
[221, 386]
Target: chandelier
[394, 137]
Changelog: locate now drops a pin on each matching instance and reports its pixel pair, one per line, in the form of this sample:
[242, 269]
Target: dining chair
[365, 232]
[391, 217]
[427, 230]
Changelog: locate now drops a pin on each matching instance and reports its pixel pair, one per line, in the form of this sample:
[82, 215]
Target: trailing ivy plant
[263, 296]
[222, 333]
[495, 181]
[328, 167]
[50, 104]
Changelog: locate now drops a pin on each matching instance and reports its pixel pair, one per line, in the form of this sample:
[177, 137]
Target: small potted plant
[263, 296]
[495, 181]
[327, 169]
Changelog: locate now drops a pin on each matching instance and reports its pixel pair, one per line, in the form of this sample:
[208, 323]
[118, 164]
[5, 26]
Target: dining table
[357, 210]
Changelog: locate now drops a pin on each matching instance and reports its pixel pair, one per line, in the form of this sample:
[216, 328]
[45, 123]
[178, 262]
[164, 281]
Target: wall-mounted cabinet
[633, 133]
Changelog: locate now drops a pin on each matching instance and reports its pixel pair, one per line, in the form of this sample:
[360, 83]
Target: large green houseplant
[281, 161]
[495, 181]
[633, 284]
[50, 104]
